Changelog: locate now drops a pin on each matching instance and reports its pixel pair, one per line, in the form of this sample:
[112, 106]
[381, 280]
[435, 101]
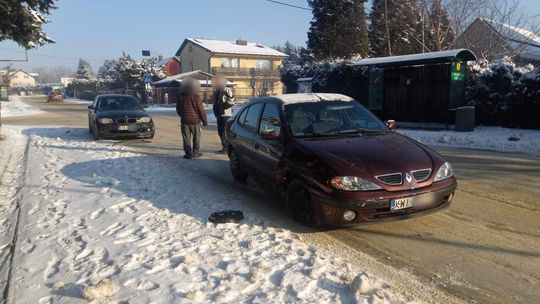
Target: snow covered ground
[77, 101]
[491, 138]
[15, 107]
[101, 210]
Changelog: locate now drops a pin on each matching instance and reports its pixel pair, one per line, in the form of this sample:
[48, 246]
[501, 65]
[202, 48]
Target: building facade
[253, 67]
[22, 79]
[171, 65]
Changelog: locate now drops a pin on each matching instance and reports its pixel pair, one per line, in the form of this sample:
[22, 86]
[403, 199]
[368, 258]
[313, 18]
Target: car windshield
[331, 118]
[118, 103]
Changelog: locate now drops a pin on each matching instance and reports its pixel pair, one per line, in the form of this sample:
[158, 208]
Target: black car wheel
[236, 170]
[96, 133]
[300, 205]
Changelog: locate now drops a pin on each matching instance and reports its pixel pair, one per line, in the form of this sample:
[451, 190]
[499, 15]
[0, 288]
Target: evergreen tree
[84, 71]
[129, 71]
[395, 28]
[338, 29]
[21, 21]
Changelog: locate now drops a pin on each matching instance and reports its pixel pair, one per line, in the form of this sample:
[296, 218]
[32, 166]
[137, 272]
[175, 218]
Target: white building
[66, 80]
[22, 79]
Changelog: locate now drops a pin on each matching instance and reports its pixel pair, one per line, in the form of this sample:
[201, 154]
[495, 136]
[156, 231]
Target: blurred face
[218, 82]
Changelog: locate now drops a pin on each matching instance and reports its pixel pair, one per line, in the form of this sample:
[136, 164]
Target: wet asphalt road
[485, 248]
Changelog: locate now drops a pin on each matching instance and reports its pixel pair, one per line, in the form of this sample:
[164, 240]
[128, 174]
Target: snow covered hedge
[336, 76]
[504, 93]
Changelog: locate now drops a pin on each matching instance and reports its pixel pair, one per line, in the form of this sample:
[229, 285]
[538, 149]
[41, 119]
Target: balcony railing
[245, 72]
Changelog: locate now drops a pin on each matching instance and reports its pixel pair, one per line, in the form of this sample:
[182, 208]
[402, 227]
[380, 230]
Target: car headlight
[353, 183]
[444, 172]
[145, 119]
[105, 121]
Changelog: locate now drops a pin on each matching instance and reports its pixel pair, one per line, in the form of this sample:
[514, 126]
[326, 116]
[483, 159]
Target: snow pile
[100, 211]
[15, 107]
[493, 138]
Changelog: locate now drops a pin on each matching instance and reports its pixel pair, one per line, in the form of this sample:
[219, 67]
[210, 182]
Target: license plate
[122, 128]
[401, 203]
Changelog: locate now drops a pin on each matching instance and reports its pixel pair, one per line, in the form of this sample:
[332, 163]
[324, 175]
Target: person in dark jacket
[191, 111]
[223, 102]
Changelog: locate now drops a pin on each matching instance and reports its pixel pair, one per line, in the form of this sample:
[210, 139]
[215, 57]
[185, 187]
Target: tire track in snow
[18, 199]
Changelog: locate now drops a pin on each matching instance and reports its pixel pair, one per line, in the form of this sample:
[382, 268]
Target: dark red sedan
[55, 96]
[335, 162]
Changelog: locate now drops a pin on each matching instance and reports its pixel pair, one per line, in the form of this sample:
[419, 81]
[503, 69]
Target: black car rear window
[118, 103]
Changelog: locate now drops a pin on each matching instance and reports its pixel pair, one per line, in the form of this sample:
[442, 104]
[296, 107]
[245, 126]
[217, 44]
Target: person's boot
[196, 155]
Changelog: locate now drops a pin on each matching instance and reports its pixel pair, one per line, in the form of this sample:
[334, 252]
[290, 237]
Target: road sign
[148, 78]
[252, 72]
[145, 53]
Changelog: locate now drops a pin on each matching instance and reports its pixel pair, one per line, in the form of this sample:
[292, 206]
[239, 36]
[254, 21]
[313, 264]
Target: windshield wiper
[362, 131]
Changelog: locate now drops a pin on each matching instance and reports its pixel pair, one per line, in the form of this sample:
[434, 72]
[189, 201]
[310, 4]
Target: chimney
[241, 42]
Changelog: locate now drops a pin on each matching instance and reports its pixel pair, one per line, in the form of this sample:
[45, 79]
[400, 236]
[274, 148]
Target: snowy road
[484, 249]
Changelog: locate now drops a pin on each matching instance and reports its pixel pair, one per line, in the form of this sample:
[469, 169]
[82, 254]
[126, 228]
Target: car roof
[311, 97]
[115, 95]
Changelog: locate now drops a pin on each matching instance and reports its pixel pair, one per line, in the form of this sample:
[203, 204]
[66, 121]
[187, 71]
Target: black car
[116, 115]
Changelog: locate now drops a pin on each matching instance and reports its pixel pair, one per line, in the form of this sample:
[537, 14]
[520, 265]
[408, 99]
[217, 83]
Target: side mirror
[391, 124]
[270, 135]
[90, 107]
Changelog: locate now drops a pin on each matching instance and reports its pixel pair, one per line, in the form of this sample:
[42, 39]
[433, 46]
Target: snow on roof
[178, 78]
[312, 97]
[231, 47]
[463, 54]
[524, 41]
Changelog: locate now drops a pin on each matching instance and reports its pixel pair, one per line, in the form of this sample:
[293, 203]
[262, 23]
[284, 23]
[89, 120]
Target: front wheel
[96, 133]
[236, 170]
[300, 204]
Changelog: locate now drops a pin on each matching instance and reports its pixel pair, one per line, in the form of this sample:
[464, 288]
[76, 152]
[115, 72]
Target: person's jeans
[221, 129]
[189, 133]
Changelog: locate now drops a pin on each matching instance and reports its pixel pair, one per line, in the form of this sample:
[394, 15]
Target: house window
[264, 64]
[229, 62]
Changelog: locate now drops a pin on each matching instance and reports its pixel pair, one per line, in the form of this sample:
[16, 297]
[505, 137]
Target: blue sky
[102, 29]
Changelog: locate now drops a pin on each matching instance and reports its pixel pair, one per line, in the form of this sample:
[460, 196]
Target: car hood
[117, 114]
[371, 154]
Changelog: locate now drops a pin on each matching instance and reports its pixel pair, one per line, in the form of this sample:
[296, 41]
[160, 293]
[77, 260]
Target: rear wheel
[236, 169]
[300, 204]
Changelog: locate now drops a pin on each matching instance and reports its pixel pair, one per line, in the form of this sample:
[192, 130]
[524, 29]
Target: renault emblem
[408, 177]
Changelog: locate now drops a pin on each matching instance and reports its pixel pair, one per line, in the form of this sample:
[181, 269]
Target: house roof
[231, 47]
[33, 75]
[164, 61]
[198, 74]
[520, 39]
[424, 58]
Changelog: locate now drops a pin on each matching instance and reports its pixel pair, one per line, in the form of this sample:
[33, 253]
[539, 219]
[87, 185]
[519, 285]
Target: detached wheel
[236, 170]
[300, 204]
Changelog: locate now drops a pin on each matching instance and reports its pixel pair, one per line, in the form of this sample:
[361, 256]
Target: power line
[289, 5]
[48, 56]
